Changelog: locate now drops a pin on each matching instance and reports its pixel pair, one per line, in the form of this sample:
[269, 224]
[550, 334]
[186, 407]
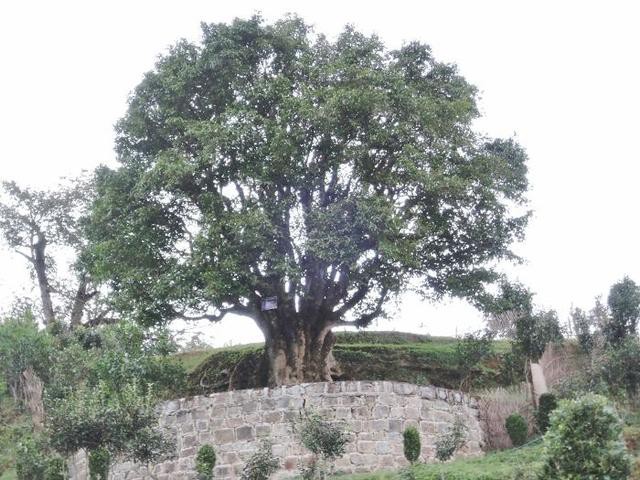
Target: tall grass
[496, 405]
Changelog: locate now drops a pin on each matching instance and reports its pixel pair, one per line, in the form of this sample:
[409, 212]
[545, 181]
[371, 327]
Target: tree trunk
[39, 263]
[299, 355]
[79, 302]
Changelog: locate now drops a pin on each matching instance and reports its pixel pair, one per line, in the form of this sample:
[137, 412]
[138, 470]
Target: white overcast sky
[563, 76]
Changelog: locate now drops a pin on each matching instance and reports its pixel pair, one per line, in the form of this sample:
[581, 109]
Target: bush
[517, 429]
[448, 443]
[546, 404]
[496, 405]
[36, 461]
[411, 441]
[205, 462]
[99, 461]
[584, 441]
[261, 465]
[620, 367]
[22, 347]
[325, 440]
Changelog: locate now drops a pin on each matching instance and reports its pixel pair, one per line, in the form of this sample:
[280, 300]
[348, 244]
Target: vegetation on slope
[360, 356]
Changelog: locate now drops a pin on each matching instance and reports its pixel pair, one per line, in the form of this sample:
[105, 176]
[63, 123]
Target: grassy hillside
[362, 356]
[518, 463]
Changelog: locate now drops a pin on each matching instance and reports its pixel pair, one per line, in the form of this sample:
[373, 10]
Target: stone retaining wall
[375, 414]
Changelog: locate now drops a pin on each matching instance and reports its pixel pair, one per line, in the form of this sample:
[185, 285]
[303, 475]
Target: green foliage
[99, 462]
[205, 462]
[511, 464]
[547, 403]
[261, 465]
[454, 439]
[411, 444]
[321, 437]
[583, 325]
[624, 305]
[325, 440]
[23, 346]
[535, 331]
[426, 360]
[123, 422]
[517, 429]
[471, 351]
[104, 389]
[36, 461]
[621, 367]
[584, 442]
[269, 156]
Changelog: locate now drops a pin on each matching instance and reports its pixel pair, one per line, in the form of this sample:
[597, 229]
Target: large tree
[34, 222]
[267, 161]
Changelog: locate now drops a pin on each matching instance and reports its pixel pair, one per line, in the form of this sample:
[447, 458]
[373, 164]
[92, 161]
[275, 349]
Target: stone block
[245, 433]
[381, 411]
[365, 446]
[224, 435]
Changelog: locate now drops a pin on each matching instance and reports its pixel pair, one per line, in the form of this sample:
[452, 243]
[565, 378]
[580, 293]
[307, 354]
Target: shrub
[620, 367]
[205, 461]
[546, 404]
[36, 461]
[517, 429]
[99, 461]
[448, 443]
[261, 465]
[325, 440]
[496, 405]
[584, 441]
[411, 441]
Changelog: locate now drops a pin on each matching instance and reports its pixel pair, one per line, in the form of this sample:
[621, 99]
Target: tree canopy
[33, 222]
[268, 161]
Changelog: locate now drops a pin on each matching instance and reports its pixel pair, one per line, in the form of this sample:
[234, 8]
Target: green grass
[361, 355]
[517, 463]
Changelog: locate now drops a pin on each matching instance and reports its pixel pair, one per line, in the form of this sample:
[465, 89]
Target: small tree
[262, 464]
[411, 444]
[584, 441]
[583, 326]
[454, 439]
[624, 305]
[325, 440]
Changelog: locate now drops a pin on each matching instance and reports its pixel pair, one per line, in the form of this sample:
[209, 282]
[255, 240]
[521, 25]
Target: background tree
[624, 306]
[34, 221]
[270, 162]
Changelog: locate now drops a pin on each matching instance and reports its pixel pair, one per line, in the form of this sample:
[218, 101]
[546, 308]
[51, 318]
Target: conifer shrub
[547, 403]
[411, 441]
[517, 429]
[205, 462]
